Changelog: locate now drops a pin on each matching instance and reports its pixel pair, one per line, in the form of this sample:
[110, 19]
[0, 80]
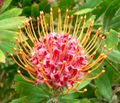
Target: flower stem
[54, 98]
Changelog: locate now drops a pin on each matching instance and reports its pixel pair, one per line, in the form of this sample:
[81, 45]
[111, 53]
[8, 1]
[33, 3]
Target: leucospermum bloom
[59, 56]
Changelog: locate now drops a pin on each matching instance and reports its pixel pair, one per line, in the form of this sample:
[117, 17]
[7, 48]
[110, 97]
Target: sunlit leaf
[8, 46]
[2, 57]
[12, 23]
[7, 40]
[83, 11]
[81, 86]
[112, 39]
[11, 13]
[7, 35]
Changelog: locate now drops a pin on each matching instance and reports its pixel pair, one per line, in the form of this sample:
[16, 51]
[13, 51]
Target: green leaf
[115, 23]
[84, 100]
[7, 35]
[12, 23]
[7, 46]
[83, 11]
[112, 39]
[11, 13]
[27, 2]
[7, 40]
[91, 4]
[35, 10]
[20, 100]
[5, 5]
[2, 57]
[73, 95]
[104, 86]
[27, 11]
[83, 84]
[71, 100]
[69, 96]
[110, 70]
[109, 14]
[101, 8]
[63, 4]
[39, 94]
[114, 56]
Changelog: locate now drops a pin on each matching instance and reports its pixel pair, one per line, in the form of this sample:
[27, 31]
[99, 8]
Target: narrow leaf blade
[104, 86]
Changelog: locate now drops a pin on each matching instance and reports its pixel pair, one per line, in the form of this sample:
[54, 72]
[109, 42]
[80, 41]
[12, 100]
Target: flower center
[58, 58]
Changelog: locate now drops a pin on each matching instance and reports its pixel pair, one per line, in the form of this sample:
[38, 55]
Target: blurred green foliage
[105, 13]
[9, 21]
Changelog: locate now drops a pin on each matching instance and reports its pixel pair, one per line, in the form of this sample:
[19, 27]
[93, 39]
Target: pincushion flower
[59, 56]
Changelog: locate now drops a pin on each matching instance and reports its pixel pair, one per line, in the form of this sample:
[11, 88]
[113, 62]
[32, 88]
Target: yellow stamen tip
[103, 71]
[105, 46]
[68, 17]
[11, 54]
[59, 10]
[19, 28]
[19, 71]
[99, 29]
[102, 54]
[15, 49]
[44, 79]
[41, 13]
[37, 18]
[105, 56]
[21, 50]
[81, 17]
[30, 19]
[17, 33]
[92, 22]
[26, 66]
[41, 62]
[103, 37]
[27, 24]
[21, 53]
[89, 71]
[85, 90]
[109, 49]
[80, 69]
[64, 62]
[72, 17]
[67, 10]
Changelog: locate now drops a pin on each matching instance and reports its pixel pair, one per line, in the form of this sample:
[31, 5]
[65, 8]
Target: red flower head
[62, 56]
